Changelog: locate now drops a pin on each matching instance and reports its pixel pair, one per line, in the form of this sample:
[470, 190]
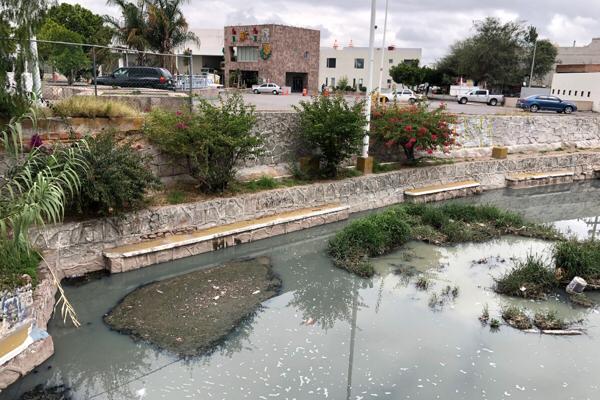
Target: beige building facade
[352, 63]
[579, 83]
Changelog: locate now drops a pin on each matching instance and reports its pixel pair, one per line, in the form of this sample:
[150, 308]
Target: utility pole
[379, 86]
[365, 163]
[533, 62]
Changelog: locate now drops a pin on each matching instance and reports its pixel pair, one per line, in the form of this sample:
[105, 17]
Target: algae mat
[190, 314]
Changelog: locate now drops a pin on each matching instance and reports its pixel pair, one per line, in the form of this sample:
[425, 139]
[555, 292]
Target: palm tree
[167, 28]
[130, 30]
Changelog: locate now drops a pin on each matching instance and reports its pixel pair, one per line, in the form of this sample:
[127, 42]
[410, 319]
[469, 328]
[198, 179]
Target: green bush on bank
[116, 179]
[381, 233]
[532, 278]
[578, 258]
[17, 259]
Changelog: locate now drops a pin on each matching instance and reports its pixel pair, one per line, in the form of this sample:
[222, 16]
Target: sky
[432, 25]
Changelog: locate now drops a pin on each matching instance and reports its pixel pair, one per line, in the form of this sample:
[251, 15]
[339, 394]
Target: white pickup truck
[481, 96]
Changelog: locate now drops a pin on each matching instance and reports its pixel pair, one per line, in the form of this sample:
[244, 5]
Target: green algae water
[331, 335]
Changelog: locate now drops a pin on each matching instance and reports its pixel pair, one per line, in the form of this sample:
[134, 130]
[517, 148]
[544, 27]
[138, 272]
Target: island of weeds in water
[381, 233]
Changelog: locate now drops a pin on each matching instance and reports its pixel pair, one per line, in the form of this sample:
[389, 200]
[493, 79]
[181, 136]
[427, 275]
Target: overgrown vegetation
[578, 258]
[213, 140]
[380, 233]
[516, 317]
[332, 129]
[34, 188]
[93, 107]
[116, 179]
[549, 320]
[532, 278]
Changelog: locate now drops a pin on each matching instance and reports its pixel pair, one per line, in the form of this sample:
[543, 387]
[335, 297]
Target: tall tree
[130, 30]
[408, 73]
[499, 54]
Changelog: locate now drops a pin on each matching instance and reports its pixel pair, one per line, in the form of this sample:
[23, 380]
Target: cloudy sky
[430, 24]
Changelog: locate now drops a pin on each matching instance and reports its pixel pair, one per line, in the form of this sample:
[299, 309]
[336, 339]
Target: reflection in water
[374, 338]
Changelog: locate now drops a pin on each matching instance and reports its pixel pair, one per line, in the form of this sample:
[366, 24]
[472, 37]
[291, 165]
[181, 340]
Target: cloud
[430, 24]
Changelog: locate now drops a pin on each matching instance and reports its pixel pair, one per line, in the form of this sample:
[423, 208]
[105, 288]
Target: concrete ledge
[531, 179]
[441, 192]
[150, 252]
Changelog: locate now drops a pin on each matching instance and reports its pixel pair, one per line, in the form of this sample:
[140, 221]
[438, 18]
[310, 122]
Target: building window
[354, 82]
[233, 53]
[306, 54]
[326, 81]
[391, 60]
[582, 93]
[564, 91]
[589, 94]
[552, 91]
[575, 93]
[247, 54]
[569, 92]
[331, 62]
[332, 82]
[359, 63]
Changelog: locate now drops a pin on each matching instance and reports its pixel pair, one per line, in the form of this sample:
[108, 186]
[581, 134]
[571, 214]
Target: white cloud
[564, 30]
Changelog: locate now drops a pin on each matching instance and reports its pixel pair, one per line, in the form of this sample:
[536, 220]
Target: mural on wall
[265, 51]
[244, 35]
[266, 36]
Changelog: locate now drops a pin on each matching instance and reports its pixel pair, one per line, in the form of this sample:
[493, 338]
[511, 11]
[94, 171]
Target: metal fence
[115, 70]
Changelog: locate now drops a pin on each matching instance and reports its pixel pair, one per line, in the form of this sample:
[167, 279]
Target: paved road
[269, 102]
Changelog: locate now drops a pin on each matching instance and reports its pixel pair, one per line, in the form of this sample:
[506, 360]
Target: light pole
[365, 163]
[383, 48]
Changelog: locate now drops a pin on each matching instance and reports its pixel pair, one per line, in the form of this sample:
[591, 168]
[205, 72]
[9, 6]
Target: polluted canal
[413, 331]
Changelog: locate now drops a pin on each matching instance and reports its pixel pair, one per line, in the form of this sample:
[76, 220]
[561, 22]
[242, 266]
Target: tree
[498, 54]
[67, 59]
[408, 73]
[90, 26]
[158, 25]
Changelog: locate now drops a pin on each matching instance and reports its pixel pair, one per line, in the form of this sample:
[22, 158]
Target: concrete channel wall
[77, 247]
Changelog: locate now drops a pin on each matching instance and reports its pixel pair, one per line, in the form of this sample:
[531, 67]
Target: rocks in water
[191, 313]
[48, 393]
[576, 286]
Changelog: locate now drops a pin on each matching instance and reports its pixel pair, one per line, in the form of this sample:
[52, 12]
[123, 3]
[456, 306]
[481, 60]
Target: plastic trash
[576, 286]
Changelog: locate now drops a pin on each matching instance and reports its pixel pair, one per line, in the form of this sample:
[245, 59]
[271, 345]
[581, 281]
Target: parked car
[140, 77]
[481, 96]
[400, 96]
[267, 88]
[542, 102]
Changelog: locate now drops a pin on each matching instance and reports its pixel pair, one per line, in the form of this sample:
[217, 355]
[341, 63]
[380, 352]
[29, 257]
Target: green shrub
[93, 107]
[262, 183]
[332, 128]
[516, 317]
[549, 320]
[578, 258]
[117, 179]
[531, 279]
[176, 197]
[213, 140]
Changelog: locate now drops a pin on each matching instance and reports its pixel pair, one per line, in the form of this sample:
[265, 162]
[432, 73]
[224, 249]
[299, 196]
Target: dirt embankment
[191, 313]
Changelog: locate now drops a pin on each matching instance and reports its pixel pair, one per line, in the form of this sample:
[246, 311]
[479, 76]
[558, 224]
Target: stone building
[285, 55]
[574, 55]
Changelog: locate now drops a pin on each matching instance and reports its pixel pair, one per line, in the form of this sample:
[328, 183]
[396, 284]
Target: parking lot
[269, 102]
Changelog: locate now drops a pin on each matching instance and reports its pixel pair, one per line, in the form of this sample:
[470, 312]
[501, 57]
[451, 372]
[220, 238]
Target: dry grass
[92, 107]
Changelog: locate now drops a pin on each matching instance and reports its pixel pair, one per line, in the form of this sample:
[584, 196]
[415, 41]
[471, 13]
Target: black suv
[141, 77]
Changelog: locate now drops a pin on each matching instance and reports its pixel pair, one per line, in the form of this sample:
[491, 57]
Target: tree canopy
[500, 54]
[80, 20]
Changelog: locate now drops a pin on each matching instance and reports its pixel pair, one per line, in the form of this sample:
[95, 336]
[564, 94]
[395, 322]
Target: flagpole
[379, 86]
[365, 148]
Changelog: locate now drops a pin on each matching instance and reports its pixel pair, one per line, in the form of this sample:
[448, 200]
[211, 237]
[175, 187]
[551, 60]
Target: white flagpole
[379, 86]
[365, 148]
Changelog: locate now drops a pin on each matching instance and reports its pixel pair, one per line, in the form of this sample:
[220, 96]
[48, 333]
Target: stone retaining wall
[77, 246]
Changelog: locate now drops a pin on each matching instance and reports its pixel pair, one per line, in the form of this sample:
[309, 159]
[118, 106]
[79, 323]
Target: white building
[208, 56]
[588, 54]
[353, 62]
[578, 83]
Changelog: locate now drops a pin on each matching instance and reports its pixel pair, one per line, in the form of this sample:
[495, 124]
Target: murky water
[330, 335]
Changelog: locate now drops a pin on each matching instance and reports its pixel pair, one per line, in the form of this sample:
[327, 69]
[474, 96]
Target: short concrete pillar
[364, 165]
[499, 152]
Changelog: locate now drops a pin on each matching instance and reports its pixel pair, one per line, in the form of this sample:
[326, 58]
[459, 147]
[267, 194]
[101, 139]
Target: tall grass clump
[578, 258]
[532, 278]
[370, 236]
[93, 107]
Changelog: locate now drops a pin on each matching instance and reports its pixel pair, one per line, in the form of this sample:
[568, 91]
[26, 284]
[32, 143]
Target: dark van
[139, 77]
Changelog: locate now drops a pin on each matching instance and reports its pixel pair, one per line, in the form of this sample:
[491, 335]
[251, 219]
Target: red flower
[434, 137]
[408, 128]
[409, 145]
[429, 151]
[178, 113]
[390, 143]
[181, 125]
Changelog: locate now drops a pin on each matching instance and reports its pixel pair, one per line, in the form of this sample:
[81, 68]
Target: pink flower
[178, 113]
[429, 151]
[181, 125]
[408, 128]
[434, 137]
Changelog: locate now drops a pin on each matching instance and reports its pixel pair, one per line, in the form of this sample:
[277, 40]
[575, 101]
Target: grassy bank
[451, 223]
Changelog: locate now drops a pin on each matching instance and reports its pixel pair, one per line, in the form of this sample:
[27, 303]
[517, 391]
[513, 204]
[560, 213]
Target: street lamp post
[365, 163]
[532, 63]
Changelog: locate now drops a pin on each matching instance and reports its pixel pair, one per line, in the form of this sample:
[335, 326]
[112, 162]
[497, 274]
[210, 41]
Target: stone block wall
[77, 246]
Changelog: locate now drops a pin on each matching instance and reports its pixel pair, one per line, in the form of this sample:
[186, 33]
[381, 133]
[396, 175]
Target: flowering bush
[414, 128]
[213, 140]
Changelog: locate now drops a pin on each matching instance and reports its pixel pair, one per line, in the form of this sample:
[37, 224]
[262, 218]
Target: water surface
[331, 335]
